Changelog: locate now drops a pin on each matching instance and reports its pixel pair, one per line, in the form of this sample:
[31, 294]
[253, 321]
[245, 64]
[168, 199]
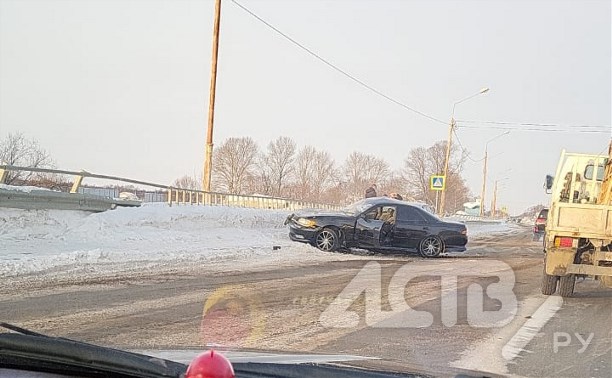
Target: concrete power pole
[211, 103]
[494, 201]
[484, 184]
[451, 128]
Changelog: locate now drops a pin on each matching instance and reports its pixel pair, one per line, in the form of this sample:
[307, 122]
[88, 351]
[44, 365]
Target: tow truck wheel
[566, 285]
[549, 283]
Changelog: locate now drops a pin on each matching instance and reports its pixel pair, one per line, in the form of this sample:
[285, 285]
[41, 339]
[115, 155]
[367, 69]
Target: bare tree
[395, 183]
[261, 181]
[279, 160]
[233, 164]
[187, 182]
[457, 192]
[416, 173]
[18, 150]
[315, 173]
[335, 194]
[304, 167]
[422, 163]
[361, 170]
[323, 172]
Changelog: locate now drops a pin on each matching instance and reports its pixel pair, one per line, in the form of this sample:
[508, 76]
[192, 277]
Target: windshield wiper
[37, 352]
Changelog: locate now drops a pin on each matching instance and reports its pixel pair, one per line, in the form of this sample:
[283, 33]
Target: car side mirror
[548, 183]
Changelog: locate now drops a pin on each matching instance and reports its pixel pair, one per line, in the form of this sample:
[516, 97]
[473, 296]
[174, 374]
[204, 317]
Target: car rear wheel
[431, 246]
[327, 240]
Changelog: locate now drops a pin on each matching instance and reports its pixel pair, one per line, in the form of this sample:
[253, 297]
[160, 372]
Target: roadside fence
[169, 194]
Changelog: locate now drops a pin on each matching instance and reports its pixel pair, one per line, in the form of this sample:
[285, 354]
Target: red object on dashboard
[210, 364]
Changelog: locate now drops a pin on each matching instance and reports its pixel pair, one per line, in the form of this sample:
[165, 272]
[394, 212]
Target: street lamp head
[495, 137]
[483, 90]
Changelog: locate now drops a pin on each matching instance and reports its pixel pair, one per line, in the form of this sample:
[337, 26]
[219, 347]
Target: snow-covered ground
[26, 189]
[33, 241]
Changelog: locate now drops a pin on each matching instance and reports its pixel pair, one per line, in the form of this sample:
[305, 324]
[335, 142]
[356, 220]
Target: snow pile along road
[478, 229]
[33, 241]
[25, 189]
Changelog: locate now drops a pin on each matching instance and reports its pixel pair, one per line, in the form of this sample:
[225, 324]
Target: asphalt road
[348, 305]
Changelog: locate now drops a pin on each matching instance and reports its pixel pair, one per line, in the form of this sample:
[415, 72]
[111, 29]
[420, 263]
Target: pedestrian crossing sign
[437, 182]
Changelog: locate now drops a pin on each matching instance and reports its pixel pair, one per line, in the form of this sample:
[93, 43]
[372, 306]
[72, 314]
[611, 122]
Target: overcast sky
[121, 87]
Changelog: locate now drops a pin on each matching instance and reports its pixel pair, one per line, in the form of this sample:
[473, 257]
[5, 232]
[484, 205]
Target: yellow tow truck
[578, 239]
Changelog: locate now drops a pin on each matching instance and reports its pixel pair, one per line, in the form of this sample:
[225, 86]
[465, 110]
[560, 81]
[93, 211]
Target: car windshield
[330, 182]
[357, 207]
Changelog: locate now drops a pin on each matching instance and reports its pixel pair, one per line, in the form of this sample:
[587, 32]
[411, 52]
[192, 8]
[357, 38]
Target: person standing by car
[371, 191]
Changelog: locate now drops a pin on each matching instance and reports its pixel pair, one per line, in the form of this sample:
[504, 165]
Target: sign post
[438, 184]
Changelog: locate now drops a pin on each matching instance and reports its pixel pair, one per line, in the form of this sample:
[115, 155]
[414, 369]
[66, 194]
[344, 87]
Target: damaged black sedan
[378, 224]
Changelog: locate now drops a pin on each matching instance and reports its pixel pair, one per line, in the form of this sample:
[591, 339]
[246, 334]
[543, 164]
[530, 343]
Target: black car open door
[367, 228]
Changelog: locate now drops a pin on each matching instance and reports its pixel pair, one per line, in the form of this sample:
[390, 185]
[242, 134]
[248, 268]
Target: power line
[534, 124]
[465, 150]
[335, 67]
[540, 129]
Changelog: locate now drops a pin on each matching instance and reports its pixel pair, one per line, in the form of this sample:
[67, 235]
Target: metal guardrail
[474, 218]
[174, 195]
[49, 199]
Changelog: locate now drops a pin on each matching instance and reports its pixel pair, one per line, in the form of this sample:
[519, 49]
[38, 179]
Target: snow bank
[478, 229]
[27, 189]
[35, 240]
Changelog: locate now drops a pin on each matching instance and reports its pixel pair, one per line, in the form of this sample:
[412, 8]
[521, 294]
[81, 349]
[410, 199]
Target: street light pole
[484, 171]
[211, 102]
[484, 183]
[451, 129]
[494, 202]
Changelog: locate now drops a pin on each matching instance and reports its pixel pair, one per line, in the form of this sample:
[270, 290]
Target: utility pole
[451, 128]
[494, 201]
[211, 103]
[484, 184]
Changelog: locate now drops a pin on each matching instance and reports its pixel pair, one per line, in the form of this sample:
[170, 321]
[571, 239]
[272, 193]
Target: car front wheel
[431, 246]
[327, 240]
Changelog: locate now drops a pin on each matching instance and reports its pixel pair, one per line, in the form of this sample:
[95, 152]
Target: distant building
[472, 208]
